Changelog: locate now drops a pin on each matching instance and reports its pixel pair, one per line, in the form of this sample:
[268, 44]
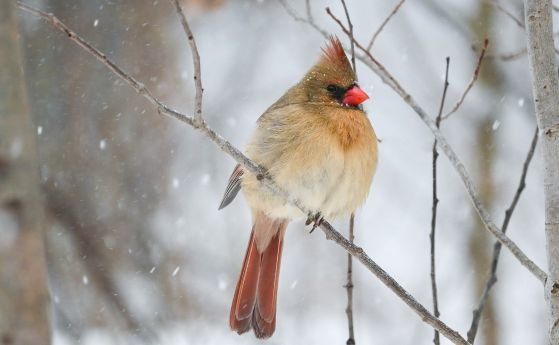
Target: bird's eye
[332, 88]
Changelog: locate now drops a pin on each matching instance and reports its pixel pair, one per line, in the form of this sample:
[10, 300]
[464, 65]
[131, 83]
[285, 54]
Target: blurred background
[136, 249]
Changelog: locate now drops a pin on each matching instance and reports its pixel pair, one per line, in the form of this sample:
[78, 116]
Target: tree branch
[497, 246]
[545, 86]
[309, 20]
[471, 83]
[506, 12]
[386, 20]
[225, 146]
[349, 286]
[195, 60]
[436, 339]
[388, 79]
[507, 56]
[352, 45]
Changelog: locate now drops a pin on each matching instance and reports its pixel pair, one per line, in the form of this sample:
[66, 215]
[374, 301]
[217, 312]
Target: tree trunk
[545, 83]
[23, 285]
[485, 153]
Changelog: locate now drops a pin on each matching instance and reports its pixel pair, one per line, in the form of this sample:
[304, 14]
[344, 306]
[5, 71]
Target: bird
[318, 145]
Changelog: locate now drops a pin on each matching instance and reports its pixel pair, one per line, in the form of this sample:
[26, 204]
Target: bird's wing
[233, 187]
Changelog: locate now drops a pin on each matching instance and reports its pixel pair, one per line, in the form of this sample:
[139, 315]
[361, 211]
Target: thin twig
[331, 233]
[309, 20]
[349, 286]
[471, 83]
[352, 40]
[436, 339]
[507, 13]
[386, 20]
[389, 80]
[309, 11]
[195, 60]
[518, 22]
[507, 56]
[497, 246]
[393, 285]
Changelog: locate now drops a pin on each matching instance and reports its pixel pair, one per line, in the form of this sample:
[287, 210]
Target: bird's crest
[334, 52]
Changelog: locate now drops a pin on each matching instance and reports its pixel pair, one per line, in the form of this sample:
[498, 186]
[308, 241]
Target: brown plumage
[317, 144]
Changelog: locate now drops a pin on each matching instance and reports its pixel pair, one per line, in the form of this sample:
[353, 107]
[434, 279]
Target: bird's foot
[316, 219]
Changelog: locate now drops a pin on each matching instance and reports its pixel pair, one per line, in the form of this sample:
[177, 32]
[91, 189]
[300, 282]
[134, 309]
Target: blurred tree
[24, 317]
[481, 241]
[105, 166]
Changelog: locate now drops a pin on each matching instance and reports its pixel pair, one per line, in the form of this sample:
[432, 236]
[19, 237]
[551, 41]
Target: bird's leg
[316, 219]
[263, 174]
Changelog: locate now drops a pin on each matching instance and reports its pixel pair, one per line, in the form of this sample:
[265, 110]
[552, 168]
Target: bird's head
[332, 80]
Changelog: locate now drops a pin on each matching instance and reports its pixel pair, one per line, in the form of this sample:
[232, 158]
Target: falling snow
[205, 179]
[222, 282]
[496, 125]
[190, 183]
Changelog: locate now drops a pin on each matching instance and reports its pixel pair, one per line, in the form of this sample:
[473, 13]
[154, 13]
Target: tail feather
[268, 280]
[254, 302]
[245, 293]
[264, 316]
[262, 329]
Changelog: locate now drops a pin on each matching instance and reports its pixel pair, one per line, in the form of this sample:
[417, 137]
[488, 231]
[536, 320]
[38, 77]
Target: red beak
[355, 96]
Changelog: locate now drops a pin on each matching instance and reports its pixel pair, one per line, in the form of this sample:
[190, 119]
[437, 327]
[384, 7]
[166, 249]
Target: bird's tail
[254, 302]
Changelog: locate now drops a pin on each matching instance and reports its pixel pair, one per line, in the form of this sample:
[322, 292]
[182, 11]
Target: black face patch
[336, 92]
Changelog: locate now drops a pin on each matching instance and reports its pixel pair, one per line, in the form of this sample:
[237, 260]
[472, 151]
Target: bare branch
[388, 79]
[309, 10]
[515, 19]
[195, 60]
[497, 246]
[309, 20]
[386, 20]
[352, 39]
[471, 83]
[225, 146]
[393, 285]
[507, 56]
[507, 13]
[349, 286]
[436, 339]
[545, 86]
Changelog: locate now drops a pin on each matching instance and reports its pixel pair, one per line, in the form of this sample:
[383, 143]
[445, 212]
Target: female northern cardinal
[318, 145]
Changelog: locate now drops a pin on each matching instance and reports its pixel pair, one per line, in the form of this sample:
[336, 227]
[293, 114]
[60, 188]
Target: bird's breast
[327, 165]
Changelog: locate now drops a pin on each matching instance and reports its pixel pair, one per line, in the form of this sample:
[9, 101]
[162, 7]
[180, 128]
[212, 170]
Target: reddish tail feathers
[254, 302]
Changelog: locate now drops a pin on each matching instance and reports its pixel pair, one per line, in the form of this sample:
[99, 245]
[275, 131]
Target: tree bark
[541, 54]
[23, 285]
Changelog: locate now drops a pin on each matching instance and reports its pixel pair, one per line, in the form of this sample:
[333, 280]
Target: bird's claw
[316, 219]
